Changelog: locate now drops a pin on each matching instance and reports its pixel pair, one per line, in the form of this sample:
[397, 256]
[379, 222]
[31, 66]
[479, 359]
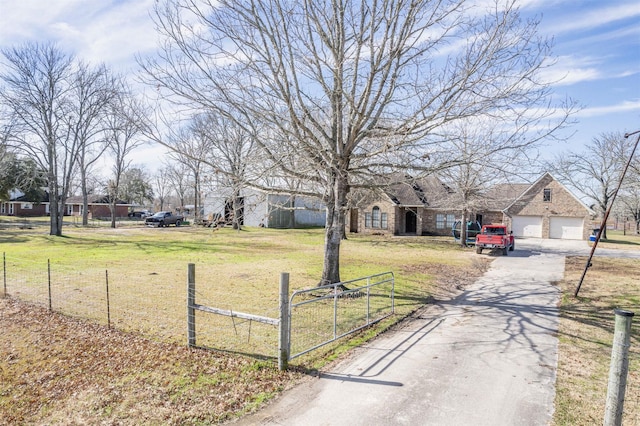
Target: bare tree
[122, 135]
[230, 152]
[162, 186]
[192, 149]
[93, 91]
[38, 85]
[179, 177]
[347, 90]
[489, 153]
[595, 171]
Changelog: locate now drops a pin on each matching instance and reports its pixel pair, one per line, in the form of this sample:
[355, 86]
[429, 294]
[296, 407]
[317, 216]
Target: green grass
[146, 271]
[586, 336]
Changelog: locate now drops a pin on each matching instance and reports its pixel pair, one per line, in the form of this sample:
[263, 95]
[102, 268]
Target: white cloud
[96, 31]
[570, 70]
[594, 18]
[622, 107]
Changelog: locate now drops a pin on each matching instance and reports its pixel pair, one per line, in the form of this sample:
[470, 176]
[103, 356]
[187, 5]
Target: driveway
[487, 357]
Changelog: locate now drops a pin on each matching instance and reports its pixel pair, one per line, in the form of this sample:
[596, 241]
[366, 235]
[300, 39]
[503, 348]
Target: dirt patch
[59, 370]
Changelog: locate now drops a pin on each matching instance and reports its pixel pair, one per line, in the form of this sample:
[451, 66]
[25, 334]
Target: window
[375, 219]
[445, 221]
[451, 218]
[546, 195]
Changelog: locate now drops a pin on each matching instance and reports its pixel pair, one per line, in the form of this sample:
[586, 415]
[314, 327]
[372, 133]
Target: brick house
[98, 207]
[547, 209]
[544, 209]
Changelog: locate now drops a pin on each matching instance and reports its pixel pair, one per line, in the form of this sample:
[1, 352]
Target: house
[547, 209]
[268, 209]
[98, 207]
[544, 209]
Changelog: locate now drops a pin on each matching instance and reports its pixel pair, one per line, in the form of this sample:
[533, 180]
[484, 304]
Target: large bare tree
[349, 89]
[38, 84]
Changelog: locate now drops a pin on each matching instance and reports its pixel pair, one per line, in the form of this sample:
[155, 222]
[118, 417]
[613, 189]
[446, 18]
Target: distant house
[98, 207]
[544, 209]
[268, 209]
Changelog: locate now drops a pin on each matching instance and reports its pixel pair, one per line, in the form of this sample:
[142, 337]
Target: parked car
[161, 219]
[473, 229]
[140, 213]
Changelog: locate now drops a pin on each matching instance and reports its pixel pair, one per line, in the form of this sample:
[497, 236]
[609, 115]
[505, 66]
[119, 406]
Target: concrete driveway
[487, 357]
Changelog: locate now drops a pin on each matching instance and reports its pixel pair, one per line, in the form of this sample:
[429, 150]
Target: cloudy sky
[597, 44]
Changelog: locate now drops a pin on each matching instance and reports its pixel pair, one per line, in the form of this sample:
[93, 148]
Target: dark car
[140, 213]
[161, 219]
[473, 229]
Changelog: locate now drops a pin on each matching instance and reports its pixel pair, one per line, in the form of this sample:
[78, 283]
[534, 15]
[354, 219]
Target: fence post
[4, 273]
[191, 301]
[284, 341]
[106, 276]
[618, 369]
[49, 282]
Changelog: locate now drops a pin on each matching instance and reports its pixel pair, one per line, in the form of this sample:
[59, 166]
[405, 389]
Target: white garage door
[567, 228]
[527, 226]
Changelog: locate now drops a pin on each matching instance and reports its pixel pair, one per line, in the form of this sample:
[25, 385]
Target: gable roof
[424, 192]
[500, 196]
[548, 176]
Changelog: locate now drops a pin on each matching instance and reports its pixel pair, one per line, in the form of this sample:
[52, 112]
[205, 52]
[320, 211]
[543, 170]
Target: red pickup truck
[495, 236]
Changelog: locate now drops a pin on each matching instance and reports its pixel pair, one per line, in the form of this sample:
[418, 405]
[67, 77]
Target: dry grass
[586, 335]
[60, 370]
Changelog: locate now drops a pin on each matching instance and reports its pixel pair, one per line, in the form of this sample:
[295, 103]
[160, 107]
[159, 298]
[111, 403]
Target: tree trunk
[85, 200]
[463, 229]
[112, 207]
[333, 232]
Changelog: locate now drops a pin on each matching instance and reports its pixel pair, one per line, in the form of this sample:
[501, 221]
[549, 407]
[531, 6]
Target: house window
[546, 195]
[375, 219]
[444, 221]
[450, 219]
[3, 208]
[11, 208]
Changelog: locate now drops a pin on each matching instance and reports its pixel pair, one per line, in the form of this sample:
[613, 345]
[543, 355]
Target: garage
[566, 228]
[527, 226]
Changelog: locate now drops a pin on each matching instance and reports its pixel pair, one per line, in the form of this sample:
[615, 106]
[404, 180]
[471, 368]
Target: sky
[596, 43]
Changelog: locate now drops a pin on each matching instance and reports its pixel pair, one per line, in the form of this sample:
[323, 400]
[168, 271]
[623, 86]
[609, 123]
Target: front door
[410, 221]
[353, 221]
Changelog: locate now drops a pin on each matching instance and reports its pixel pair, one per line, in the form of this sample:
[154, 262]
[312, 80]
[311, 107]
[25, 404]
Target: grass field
[61, 370]
[64, 370]
[586, 334]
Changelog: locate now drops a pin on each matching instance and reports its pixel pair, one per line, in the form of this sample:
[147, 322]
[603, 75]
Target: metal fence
[148, 305]
[321, 315]
[154, 306]
[309, 319]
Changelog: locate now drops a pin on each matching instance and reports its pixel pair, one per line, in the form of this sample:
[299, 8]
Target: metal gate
[321, 315]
